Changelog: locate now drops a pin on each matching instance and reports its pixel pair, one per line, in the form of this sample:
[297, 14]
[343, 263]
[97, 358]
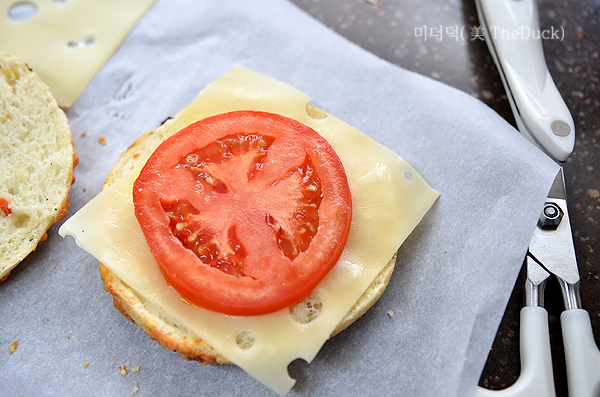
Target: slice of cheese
[389, 199]
[67, 41]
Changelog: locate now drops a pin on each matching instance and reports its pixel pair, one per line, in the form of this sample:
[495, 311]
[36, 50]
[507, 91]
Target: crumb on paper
[12, 347]
[391, 313]
[102, 140]
[135, 389]
[124, 370]
[375, 3]
[136, 368]
[85, 365]
[593, 193]
[83, 133]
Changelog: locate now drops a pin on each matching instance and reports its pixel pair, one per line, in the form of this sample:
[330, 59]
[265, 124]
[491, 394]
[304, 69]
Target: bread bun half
[36, 162]
[160, 325]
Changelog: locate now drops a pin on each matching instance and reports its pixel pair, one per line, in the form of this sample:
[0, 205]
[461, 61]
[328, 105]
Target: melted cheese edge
[389, 199]
[67, 42]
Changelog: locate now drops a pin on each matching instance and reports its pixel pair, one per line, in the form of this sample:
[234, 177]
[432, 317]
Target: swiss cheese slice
[67, 41]
[389, 199]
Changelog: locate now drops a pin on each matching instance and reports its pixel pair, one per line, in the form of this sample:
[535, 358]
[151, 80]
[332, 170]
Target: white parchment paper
[454, 274]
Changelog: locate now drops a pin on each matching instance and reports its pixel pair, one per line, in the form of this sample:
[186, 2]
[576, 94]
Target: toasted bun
[159, 325]
[36, 162]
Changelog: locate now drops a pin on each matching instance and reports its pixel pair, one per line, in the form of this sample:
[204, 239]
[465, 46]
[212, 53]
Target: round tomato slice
[245, 212]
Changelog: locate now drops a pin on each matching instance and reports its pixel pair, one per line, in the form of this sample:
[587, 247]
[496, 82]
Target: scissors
[513, 35]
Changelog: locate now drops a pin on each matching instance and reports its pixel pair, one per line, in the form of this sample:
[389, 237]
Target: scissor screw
[551, 216]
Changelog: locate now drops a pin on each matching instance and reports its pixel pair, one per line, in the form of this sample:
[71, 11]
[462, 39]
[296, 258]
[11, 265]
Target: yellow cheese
[67, 41]
[389, 199]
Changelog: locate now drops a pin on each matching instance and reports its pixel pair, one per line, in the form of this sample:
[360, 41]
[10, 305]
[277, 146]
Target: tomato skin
[245, 212]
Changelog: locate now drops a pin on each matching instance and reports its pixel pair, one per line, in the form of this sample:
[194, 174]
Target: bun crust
[36, 162]
[157, 323]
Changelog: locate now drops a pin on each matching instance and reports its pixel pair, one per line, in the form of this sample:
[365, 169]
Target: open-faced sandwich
[36, 162]
[248, 221]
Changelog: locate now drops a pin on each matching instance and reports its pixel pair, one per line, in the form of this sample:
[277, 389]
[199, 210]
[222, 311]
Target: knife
[513, 35]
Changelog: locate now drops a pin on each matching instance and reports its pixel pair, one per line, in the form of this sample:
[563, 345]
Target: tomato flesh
[245, 212]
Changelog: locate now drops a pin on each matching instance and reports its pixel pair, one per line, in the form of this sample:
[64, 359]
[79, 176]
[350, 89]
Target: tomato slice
[245, 212]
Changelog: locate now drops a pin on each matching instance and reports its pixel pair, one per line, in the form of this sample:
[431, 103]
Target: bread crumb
[135, 389]
[374, 3]
[136, 368]
[102, 140]
[85, 365]
[12, 347]
[124, 370]
[391, 313]
[83, 134]
[593, 193]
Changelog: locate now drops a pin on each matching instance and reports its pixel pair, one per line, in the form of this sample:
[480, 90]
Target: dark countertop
[395, 31]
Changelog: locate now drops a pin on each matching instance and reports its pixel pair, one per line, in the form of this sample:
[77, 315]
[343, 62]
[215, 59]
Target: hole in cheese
[59, 2]
[245, 339]
[307, 309]
[22, 11]
[408, 175]
[315, 113]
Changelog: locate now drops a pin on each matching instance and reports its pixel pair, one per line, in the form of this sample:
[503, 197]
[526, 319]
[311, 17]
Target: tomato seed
[211, 181]
[191, 159]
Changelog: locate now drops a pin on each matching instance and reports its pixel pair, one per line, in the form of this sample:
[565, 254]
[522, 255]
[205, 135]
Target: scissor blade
[535, 282]
[553, 247]
[558, 190]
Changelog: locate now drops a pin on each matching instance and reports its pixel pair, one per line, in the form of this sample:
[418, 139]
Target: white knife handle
[536, 378]
[581, 354]
[513, 29]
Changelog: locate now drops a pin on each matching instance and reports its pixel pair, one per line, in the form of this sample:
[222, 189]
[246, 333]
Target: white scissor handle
[515, 39]
[581, 354]
[536, 378]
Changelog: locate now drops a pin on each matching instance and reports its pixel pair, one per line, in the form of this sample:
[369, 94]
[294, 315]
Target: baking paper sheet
[429, 334]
